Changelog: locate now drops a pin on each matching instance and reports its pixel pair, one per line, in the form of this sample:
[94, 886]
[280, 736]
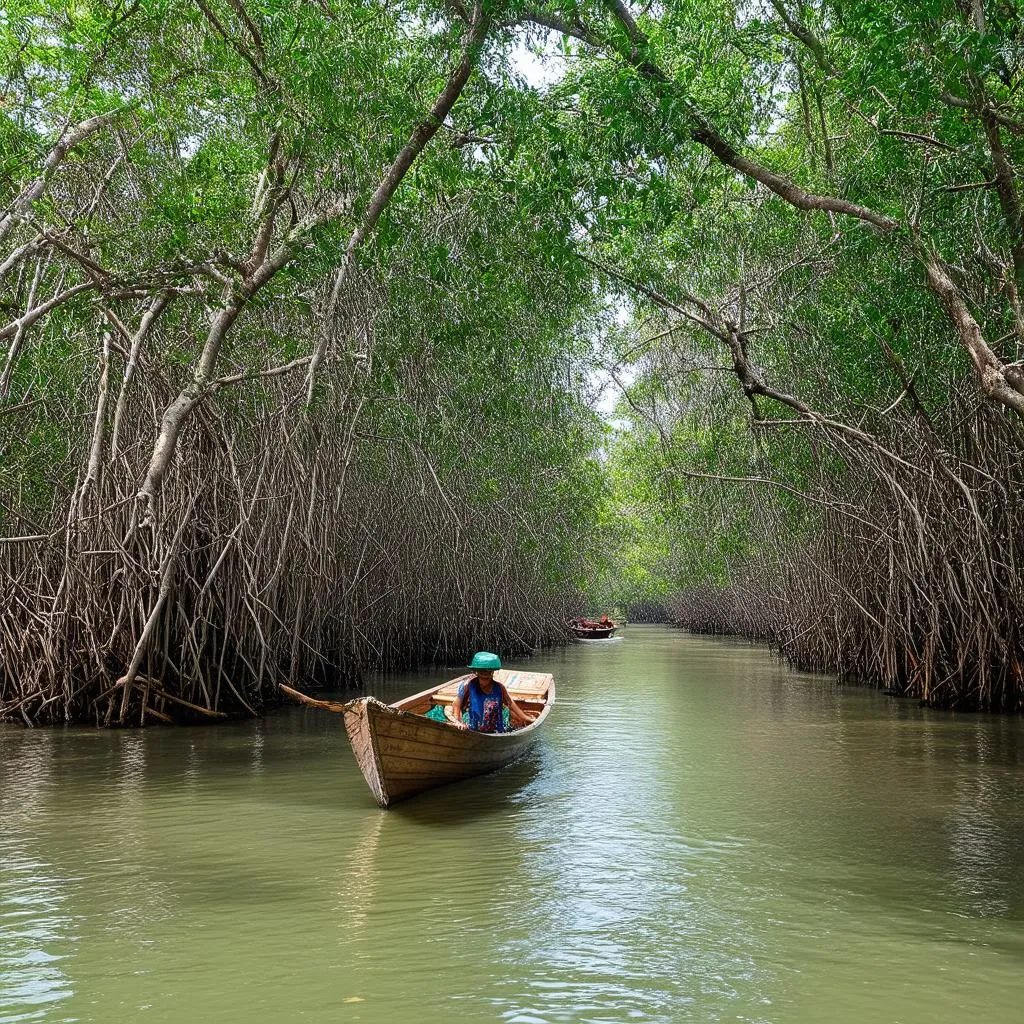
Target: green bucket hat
[485, 660]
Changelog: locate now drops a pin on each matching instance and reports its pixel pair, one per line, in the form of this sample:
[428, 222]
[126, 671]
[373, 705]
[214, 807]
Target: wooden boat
[594, 632]
[402, 753]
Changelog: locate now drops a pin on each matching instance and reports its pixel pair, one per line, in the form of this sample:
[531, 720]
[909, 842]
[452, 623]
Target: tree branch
[421, 135]
[69, 138]
[702, 131]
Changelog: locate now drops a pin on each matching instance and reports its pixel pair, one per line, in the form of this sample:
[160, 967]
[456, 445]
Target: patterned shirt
[484, 708]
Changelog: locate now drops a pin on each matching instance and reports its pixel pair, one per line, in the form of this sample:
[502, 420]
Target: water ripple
[701, 836]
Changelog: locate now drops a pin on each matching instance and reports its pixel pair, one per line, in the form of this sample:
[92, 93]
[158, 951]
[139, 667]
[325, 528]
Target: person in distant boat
[484, 698]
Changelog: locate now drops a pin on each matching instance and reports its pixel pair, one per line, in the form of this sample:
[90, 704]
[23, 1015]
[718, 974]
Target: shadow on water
[481, 797]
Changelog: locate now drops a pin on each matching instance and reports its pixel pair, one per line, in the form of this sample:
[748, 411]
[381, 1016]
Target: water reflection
[493, 795]
[36, 928]
[34, 925]
[979, 843]
[357, 877]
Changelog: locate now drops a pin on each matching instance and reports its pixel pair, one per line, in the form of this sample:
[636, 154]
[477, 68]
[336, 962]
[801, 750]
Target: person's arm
[515, 712]
[454, 710]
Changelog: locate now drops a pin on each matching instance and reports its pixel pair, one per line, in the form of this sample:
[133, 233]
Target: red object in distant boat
[587, 629]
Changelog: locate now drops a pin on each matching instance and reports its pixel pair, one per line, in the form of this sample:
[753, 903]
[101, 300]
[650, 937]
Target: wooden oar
[324, 705]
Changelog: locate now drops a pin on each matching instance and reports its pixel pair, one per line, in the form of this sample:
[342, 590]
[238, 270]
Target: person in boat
[582, 623]
[484, 698]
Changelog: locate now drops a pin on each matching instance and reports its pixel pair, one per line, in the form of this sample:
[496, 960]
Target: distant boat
[401, 752]
[585, 629]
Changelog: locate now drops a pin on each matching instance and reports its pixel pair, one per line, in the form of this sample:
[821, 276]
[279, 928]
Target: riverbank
[833, 639]
[145, 700]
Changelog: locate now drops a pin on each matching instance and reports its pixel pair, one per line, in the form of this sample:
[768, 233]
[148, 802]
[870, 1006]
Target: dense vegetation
[826, 420]
[292, 385]
[303, 305]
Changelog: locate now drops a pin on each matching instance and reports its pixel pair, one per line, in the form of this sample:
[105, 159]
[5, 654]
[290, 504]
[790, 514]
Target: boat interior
[528, 689]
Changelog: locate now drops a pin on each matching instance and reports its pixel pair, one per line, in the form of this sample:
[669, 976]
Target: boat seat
[530, 687]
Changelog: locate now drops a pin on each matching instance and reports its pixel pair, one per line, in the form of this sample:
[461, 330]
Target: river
[701, 835]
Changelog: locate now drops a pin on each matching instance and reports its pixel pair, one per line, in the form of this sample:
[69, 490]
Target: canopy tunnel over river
[342, 339]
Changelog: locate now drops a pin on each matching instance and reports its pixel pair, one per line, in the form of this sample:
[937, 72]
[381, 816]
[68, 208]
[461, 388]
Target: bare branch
[70, 138]
[421, 135]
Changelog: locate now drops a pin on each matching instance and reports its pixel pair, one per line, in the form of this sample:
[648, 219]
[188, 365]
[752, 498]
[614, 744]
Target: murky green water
[700, 836]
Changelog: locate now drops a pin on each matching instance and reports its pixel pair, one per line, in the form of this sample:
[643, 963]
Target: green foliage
[882, 107]
[481, 299]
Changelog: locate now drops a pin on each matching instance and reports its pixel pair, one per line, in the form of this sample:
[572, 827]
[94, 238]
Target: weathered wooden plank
[401, 754]
[421, 760]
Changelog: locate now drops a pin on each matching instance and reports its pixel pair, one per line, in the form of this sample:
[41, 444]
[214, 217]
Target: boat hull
[593, 634]
[401, 753]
